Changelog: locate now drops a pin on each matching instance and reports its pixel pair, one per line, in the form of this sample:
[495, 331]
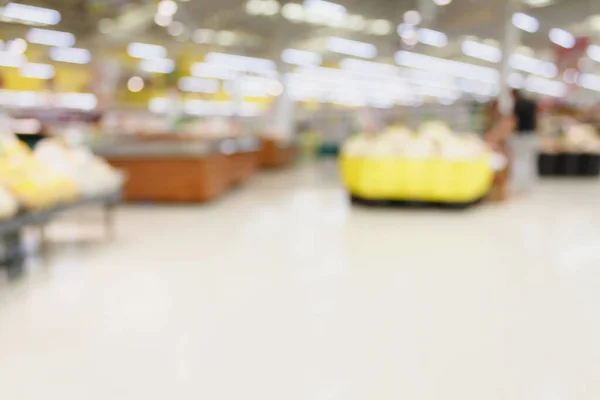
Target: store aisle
[283, 291]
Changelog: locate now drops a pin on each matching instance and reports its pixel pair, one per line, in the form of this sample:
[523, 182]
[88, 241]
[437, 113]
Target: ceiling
[133, 20]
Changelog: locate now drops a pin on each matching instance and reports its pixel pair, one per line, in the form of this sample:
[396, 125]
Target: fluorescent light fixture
[545, 86]
[175, 28]
[380, 27]
[39, 15]
[325, 8]
[539, 3]
[301, 57]
[590, 81]
[159, 65]
[147, 51]
[562, 38]
[351, 47]
[70, 55]
[17, 46]
[240, 63]
[593, 52]
[355, 22]
[516, 80]
[442, 2]
[432, 38]
[533, 65]
[163, 20]
[447, 67]
[50, 38]
[525, 22]
[37, 71]
[198, 85]
[204, 36]
[167, 7]
[8, 59]
[412, 17]
[481, 51]
[369, 67]
[253, 86]
[158, 105]
[269, 7]
[293, 12]
[78, 101]
[204, 70]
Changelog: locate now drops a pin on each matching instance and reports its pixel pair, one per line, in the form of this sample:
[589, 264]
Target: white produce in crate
[92, 175]
[8, 204]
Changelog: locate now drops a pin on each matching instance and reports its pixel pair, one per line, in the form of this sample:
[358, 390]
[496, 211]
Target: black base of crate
[355, 200]
[567, 164]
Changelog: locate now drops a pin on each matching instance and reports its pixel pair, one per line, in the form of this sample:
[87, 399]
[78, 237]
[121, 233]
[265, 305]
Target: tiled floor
[283, 292]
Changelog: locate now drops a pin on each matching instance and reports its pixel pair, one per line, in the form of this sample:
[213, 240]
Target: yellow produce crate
[432, 180]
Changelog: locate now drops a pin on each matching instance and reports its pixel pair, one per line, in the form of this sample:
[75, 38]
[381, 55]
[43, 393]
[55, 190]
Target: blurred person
[523, 144]
[499, 129]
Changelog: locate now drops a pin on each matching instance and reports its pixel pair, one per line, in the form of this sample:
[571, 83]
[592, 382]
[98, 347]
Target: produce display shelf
[274, 154]
[569, 165]
[182, 171]
[10, 230]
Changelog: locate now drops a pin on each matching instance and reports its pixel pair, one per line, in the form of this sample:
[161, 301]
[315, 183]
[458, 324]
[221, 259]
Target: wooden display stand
[174, 179]
[241, 166]
[274, 154]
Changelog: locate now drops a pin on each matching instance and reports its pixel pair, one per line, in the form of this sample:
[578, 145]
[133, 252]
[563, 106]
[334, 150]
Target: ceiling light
[571, 76]
[516, 80]
[380, 27]
[325, 8]
[240, 63]
[538, 3]
[351, 47]
[590, 81]
[355, 22]
[162, 20]
[159, 66]
[204, 36]
[37, 71]
[369, 67]
[292, 11]
[593, 52]
[533, 65]
[145, 50]
[275, 88]
[545, 86]
[270, 7]
[595, 22]
[525, 22]
[301, 57]
[106, 25]
[135, 84]
[167, 7]
[447, 67]
[410, 37]
[481, 51]
[17, 46]
[412, 17]
[8, 59]
[204, 70]
[432, 38]
[442, 2]
[562, 38]
[226, 38]
[198, 85]
[175, 28]
[254, 7]
[27, 13]
[70, 55]
[78, 101]
[50, 38]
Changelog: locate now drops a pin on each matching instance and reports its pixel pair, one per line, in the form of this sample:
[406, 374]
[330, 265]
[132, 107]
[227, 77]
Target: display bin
[418, 180]
[274, 153]
[569, 164]
[180, 171]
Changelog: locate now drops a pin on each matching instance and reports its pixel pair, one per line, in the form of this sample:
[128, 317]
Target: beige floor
[284, 292]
